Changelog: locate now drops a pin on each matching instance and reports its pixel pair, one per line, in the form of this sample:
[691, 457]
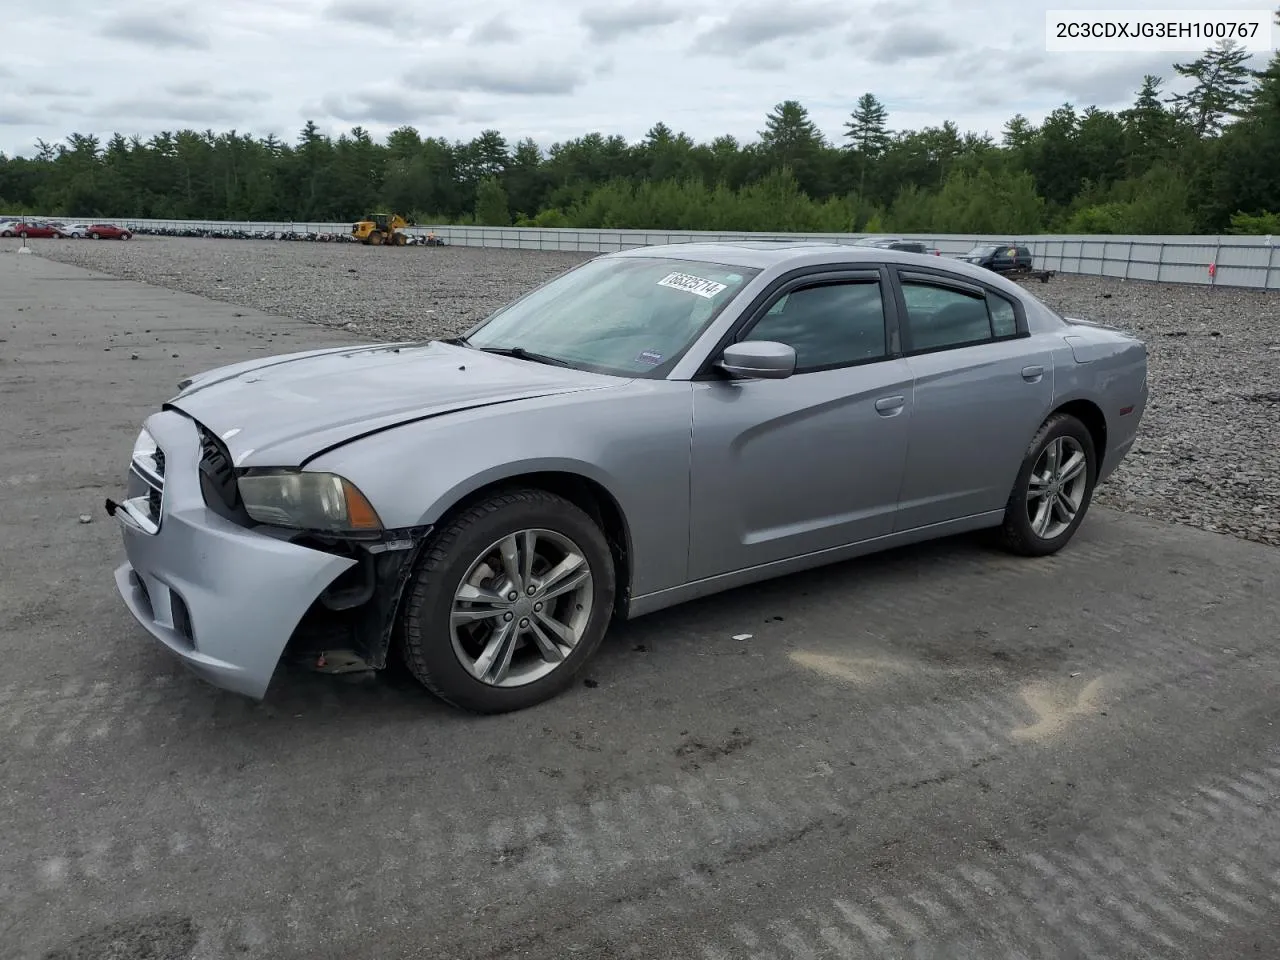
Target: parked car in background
[906, 246]
[1001, 258]
[650, 427]
[74, 230]
[107, 231]
[7, 226]
[34, 229]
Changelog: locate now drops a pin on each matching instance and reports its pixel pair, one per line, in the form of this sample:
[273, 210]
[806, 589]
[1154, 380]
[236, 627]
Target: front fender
[633, 442]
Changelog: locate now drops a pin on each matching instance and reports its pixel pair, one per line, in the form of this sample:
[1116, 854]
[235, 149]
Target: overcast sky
[548, 69]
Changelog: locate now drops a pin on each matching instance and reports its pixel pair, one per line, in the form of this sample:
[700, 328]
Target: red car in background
[31, 228]
[106, 231]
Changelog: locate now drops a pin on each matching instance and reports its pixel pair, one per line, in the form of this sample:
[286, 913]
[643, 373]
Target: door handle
[1032, 374]
[888, 406]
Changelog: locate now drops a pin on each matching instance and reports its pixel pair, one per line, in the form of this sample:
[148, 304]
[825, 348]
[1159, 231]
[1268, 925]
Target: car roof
[781, 256]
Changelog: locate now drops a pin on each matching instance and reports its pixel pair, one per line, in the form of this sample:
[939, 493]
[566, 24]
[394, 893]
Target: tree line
[1205, 160]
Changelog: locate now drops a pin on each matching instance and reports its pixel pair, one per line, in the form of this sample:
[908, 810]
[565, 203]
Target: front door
[783, 468]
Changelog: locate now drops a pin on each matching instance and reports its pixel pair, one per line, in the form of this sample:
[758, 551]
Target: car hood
[283, 410]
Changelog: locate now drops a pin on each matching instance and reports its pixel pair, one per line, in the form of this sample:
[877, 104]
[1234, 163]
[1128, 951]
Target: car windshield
[981, 251]
[627, 316]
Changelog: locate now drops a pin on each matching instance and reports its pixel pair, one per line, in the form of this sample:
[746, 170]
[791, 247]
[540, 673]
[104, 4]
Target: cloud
[177, 111]
[518, 76]
[170, 30]
[395, 16]
[495, 30]
[607, 23]
[18, 116]
[386, 106]
[54, 90]
[760, 22]
[202, 90]
[902, 42]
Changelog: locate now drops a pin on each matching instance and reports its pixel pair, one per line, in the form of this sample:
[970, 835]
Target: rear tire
[1053, 489]
[462, 598]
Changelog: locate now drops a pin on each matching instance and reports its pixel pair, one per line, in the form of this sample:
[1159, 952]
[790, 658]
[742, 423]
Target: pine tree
[1220, 91]
[866, 129]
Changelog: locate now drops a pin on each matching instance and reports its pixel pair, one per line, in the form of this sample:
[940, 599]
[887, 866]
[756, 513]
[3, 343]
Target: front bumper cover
[222, 598]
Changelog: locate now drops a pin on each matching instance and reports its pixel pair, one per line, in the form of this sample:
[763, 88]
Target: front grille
[218, 479]
[148, 485]
[154, 492]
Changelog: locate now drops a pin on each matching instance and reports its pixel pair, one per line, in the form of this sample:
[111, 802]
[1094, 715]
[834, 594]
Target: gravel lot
[1209, 455]
[1066, 758]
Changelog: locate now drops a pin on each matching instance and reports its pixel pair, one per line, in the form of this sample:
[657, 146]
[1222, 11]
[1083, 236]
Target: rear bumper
[221, 598]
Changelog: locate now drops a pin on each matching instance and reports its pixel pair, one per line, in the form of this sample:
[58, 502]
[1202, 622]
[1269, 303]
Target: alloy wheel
[1057, 486]
[521, 608]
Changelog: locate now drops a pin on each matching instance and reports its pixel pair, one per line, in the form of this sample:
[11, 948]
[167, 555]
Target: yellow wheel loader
[378, 229]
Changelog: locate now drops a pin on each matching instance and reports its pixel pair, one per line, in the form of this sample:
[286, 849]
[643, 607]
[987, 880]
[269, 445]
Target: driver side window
[828, 325]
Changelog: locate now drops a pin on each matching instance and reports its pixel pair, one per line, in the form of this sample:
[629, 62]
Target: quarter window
[940, 317]
[828, 325]
[1004, 322]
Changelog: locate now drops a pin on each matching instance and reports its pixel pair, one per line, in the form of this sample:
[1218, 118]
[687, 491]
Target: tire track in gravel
[674, 832]
[1161, 886]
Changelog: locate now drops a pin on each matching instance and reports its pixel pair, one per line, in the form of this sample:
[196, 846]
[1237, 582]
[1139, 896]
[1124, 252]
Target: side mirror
[759, 359]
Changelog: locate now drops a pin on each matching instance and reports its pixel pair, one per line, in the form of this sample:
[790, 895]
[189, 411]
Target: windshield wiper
[520, 353]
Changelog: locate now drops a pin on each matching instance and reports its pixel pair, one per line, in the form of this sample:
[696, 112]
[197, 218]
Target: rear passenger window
[829, 325]
[941, 317]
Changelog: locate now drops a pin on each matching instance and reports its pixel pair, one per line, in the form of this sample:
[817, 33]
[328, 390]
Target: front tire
[1053, 490]
[510, 600]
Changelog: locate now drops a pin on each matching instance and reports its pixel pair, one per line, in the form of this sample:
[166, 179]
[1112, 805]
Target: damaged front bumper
[224, 598]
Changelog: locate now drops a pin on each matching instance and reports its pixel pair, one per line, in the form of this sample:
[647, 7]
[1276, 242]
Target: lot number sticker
[691, 284]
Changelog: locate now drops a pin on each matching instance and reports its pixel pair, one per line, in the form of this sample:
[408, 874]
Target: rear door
[784, 468]
[983, 386]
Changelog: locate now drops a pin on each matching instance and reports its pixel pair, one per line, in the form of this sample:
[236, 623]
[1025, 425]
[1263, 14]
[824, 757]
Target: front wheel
[1053, 490]
[510, 600]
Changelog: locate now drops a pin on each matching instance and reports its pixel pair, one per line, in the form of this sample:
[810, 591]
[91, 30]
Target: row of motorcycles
[414, 239]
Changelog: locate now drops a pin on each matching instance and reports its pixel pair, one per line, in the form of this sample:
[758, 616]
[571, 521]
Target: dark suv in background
[1000, 258]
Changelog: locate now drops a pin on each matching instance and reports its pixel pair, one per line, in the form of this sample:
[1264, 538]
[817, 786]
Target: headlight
[307, 501]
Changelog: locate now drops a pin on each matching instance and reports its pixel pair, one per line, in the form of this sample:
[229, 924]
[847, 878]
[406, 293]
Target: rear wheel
[509, 602]
[1053, 489]
[96, 235]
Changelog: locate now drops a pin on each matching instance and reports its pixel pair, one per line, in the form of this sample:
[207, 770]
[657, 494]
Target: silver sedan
[652, 426]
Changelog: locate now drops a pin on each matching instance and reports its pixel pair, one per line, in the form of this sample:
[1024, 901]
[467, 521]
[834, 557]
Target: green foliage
[1158, 202]
[1257, 225]
[491, 204]
[1201, 160]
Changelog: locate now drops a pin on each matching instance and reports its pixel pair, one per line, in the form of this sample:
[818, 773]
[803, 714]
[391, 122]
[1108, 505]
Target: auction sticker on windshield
[691, 284]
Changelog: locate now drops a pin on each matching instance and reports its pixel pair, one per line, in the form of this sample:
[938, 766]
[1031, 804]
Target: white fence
[1210, 260]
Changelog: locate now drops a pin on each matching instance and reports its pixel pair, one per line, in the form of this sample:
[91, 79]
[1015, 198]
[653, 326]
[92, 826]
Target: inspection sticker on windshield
[691, 284]
[649, 356]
